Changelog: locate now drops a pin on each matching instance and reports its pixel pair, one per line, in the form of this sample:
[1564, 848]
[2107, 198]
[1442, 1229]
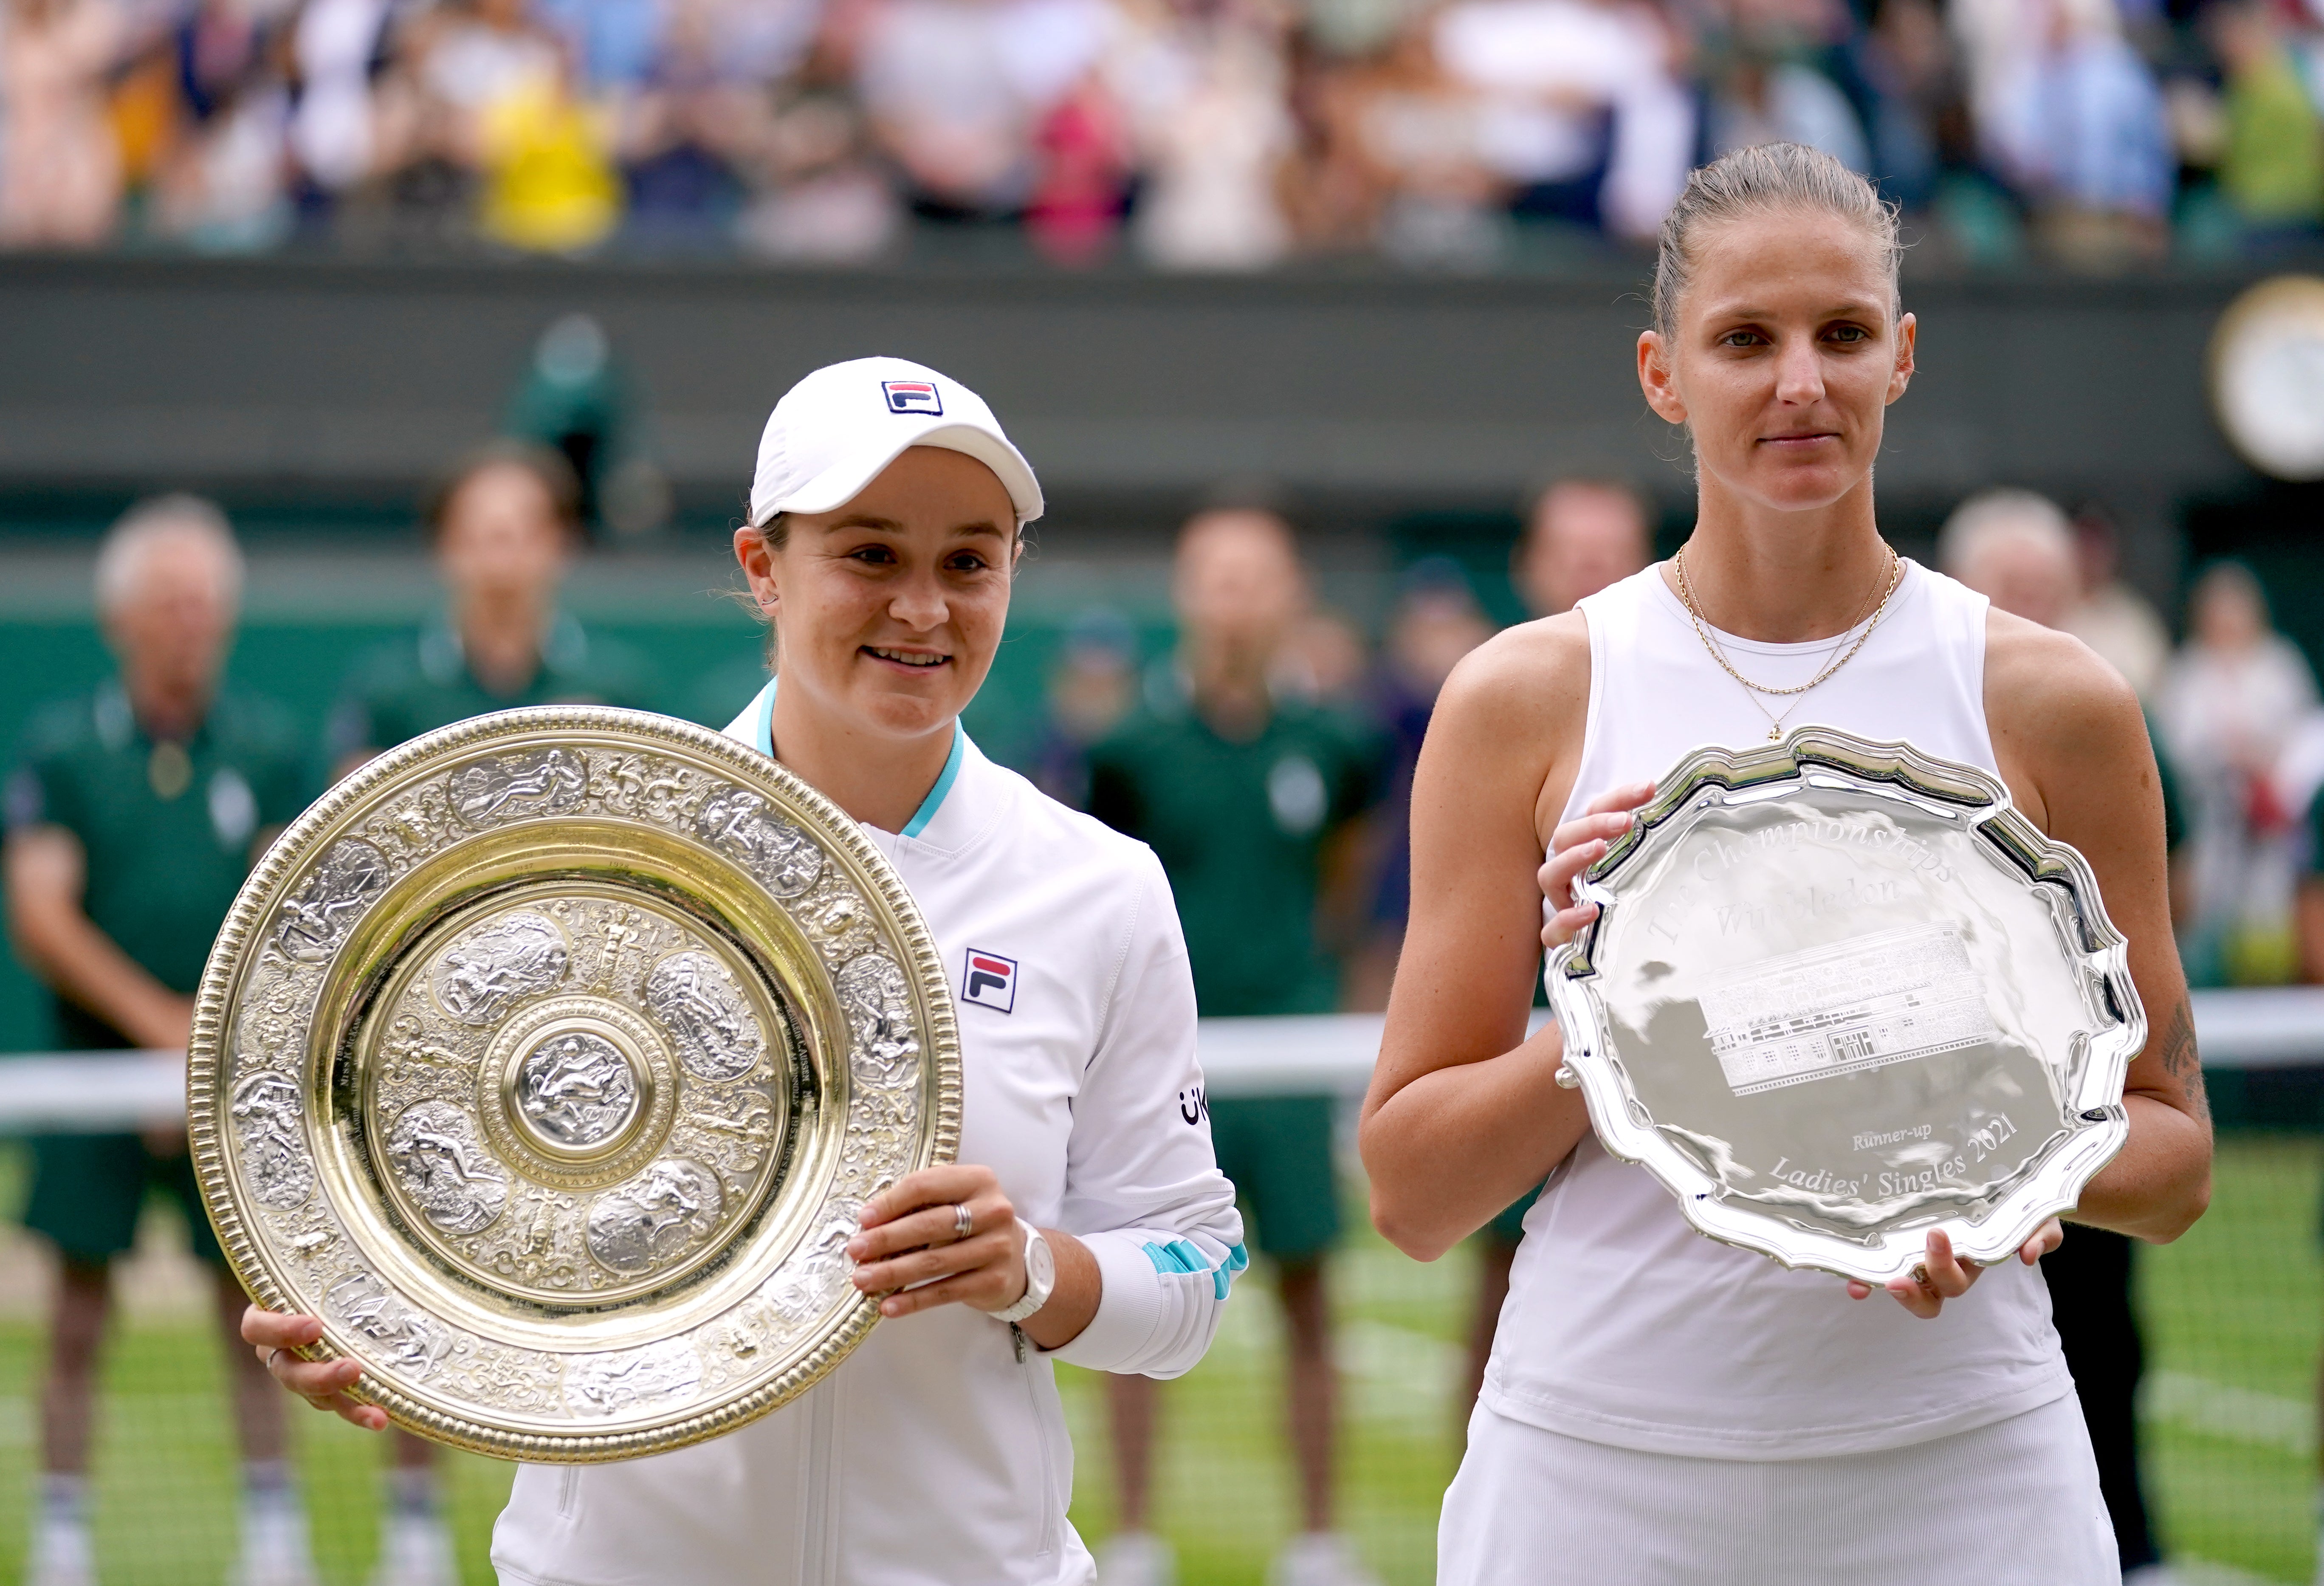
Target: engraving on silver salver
[1839, 993]
[576, 1089]
[702, 1011]
[486, 971]
[577, 1099]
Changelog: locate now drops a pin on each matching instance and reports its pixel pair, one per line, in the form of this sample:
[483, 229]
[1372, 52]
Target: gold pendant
[1775, 732]
[168, 770]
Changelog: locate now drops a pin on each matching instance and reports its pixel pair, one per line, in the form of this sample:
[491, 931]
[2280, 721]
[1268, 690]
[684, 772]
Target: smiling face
[1784, 355]
[889, 610]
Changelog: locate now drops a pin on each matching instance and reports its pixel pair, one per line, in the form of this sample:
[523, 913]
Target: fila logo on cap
[912, 396]
[990, 981]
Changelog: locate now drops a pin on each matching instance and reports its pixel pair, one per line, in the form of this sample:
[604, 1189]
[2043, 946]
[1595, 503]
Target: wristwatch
[1040, 1277]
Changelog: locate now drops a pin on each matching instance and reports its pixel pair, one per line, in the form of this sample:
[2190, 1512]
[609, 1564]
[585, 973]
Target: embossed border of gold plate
[334, 1017]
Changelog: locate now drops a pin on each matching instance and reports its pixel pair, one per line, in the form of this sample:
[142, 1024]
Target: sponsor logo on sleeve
[1193, 1104]
[913, 396]
[990, 981]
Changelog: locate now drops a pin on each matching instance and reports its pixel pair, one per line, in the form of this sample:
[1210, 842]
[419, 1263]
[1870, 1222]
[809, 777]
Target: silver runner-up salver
[1839, 993]
[550, 1060]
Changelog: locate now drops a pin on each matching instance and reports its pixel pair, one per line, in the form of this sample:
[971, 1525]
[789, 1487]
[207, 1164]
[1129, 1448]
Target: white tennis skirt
[2012, 1504]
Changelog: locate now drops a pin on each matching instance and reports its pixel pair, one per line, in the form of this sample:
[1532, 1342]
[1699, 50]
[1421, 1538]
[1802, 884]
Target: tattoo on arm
[2180, 1061]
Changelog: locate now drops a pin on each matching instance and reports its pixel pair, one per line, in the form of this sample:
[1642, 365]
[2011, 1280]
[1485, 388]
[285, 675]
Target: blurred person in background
[60, 165]
[504, 530]
[1435, 621]
[1093, 686]
[1586, 115]
[1245, 795]
[2229, 703]
[819, 191]
[2074, 117]
[338, 49]
[223, 185]
[1767, 86]
[2110, 616]
[2272, 166]
[2016, 549]
[133, 816]
[1920, 122]
[957, 90]
[1202, 86]
[1580, 535]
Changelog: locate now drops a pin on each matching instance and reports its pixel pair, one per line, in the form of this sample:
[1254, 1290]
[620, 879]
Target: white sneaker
[1137, 1558]
[274, 1547]
[415, 1550]
[61, 1555]
[1319, 1558]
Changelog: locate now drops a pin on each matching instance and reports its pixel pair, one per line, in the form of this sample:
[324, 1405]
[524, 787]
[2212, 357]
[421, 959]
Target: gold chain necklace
[1753, 690]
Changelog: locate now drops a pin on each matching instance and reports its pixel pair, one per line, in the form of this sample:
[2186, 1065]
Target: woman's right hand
[323, 1384]
[1573, 848]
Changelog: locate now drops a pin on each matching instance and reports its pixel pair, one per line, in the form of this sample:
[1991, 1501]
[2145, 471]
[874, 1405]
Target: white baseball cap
[836, 430]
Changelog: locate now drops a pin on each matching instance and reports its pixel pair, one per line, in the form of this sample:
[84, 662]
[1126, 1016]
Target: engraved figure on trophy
[444, 1169]
[705, 1014]
[608, 1384]
[518, 785]
[405, 1338]
[878, 1007]
[785, 859]
[351, 874]
[576, 1089]
[517, 955]
[815, 1274]
[670, 1208]
[266, 1124]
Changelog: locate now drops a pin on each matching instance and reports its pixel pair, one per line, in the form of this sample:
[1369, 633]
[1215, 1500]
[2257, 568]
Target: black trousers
[2090, 1295]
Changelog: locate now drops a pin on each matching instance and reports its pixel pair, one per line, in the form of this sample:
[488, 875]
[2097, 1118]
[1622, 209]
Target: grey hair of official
[1994, 517]
[153, 523]
[1768, 179]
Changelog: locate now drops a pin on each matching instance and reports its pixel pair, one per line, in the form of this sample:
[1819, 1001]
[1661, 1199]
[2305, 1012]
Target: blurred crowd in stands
[1193, 134]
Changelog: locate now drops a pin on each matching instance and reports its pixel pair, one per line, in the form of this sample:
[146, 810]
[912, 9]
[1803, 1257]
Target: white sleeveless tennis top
[1624, 1326]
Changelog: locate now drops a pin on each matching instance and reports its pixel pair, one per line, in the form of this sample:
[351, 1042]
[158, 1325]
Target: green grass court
[2234, 1314]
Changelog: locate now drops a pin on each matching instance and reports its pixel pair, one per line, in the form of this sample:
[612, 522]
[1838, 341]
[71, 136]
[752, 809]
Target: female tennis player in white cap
[1087, 1220]
[1663, 1410]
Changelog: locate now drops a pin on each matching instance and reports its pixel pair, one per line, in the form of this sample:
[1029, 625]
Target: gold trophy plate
[549, 1059]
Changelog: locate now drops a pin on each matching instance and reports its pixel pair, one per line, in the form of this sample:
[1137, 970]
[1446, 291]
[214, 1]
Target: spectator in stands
[686, 119]
[1580, 535]
[820, 194]
[59, 166]
[2271, 168]
[133, 816]
[336, 49]
[2229, 704]
[1242, 794]
[1203, 92]
[224, 186]
[1418, 137]
[2074, 117]
[1768, 89]
[958, 88]
[2016, 549]
[1919, 123]
[1588, 119]
[503, 530]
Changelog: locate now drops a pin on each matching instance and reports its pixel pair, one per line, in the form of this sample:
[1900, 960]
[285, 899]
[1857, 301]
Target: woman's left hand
[1945, 1277]
[912, 1250]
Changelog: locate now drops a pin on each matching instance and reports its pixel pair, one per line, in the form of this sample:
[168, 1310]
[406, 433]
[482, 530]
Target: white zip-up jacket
[937, 1452]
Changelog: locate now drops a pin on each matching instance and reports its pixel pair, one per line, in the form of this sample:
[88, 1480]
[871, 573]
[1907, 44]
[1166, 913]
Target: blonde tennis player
[1087, 1220]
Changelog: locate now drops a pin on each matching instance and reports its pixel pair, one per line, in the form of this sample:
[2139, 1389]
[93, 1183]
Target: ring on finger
[273, 1355]
[964, 1223]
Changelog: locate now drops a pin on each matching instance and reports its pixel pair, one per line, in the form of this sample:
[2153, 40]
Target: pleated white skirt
[2012, 1504]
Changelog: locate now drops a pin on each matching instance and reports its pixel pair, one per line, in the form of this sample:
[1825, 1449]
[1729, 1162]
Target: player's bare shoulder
[1518, 702]
[2058, 712]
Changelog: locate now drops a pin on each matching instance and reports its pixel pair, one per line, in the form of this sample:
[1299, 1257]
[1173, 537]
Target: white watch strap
[1034, 1295]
